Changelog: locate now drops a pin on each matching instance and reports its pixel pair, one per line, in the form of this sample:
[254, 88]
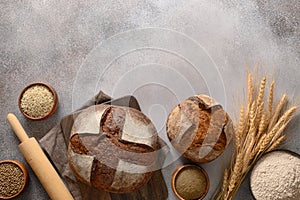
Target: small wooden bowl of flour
[38, 101]
[190, 182]
[276, 176]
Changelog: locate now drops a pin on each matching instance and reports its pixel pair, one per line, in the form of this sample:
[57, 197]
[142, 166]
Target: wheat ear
[276, 143]
[277, 111]
[225, 181]
[278, 128]
[235, 173]
[271, 97]
[239, 130]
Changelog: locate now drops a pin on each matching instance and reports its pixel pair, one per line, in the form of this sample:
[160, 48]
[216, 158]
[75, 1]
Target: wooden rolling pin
[39, 163]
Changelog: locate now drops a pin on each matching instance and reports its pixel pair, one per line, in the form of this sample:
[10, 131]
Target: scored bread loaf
[199, 128]
[113, 148]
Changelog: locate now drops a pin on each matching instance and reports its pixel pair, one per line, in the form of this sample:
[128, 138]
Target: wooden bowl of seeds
[190, 181]
[13, 178]
[38, 101]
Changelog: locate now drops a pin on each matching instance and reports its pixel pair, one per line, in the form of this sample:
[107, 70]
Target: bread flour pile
[276, 176]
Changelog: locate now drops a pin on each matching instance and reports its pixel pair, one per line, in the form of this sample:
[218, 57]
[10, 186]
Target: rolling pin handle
[39, 163]
[17, 127]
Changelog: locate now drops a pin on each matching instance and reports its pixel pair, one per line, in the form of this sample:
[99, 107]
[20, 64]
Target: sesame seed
[37, 101]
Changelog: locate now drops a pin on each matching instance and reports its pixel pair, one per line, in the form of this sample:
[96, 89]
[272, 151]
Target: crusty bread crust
[110, 151]
[196, 128]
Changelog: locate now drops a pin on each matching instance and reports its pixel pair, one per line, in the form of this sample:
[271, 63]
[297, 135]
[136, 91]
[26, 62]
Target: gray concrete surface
[160, 51]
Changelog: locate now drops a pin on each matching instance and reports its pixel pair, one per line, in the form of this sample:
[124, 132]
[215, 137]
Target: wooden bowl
[184, 167]
[54, 106]
[24, 171]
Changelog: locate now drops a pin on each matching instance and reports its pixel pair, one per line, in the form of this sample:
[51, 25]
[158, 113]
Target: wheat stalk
[239, 129]
[225, 181]
[283, 122]
[277, 111]
[250, 88]
[276, 143]
[271, 97]
[278, 128]
[251, 125]
[259, 130]
[262, 125]
[235, 175]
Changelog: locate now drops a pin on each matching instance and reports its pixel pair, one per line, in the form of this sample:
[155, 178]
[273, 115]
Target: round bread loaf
[113, 148]
[199, 128]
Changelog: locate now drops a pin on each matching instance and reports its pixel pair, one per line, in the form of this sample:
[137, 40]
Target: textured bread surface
[199, 128]
[113, 148]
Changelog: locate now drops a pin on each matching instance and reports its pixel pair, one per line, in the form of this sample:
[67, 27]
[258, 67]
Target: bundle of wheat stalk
[260, 129]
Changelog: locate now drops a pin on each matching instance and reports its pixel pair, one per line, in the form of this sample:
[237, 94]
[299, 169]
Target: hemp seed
[37, 101]
[11, 179]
